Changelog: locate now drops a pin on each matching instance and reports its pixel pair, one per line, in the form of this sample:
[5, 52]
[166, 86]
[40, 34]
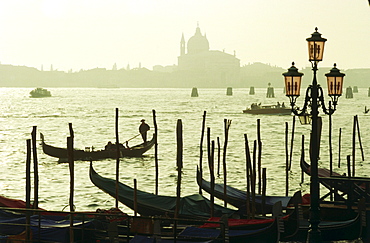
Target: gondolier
[143, 129]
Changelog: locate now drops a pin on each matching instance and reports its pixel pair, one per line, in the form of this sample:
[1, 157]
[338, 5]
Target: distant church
[212, 66]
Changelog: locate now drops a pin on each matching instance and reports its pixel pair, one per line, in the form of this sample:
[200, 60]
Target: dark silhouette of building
[196, 59]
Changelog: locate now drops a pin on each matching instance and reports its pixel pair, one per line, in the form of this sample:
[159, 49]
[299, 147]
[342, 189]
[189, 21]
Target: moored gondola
[238, 198]
[268, 234]
[340, 230]
[355, 189]
[193, 206]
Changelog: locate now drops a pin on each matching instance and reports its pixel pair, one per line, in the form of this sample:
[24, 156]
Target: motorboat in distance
[40, 93]
[268, 109]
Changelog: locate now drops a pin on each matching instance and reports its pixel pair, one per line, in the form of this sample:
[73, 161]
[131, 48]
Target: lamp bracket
[308, 101]
[332, 104]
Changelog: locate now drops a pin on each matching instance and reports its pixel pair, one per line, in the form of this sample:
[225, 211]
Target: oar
[133, 137]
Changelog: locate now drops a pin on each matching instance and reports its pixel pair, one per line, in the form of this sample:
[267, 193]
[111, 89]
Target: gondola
[44, 227]
[87, 154]
[268, 234]
[238, 198]
[330, 230]
[355, 190]
[266, 230]
[193, 206]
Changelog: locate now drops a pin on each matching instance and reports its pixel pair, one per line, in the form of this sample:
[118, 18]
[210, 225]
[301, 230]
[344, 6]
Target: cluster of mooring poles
[254, 168]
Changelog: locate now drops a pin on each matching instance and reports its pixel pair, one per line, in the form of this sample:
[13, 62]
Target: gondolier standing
[143, 129]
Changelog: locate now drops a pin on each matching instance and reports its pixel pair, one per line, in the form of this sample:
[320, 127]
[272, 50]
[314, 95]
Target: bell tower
[182, 45]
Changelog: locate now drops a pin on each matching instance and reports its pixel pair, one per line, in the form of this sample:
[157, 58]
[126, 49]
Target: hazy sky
[85, 34]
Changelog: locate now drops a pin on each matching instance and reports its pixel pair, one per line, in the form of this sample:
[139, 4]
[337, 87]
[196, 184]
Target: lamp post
[314, 99]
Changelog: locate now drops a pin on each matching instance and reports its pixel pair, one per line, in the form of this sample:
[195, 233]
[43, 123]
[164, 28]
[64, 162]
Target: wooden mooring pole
[156, 153]
[135, 197]
[118, 155]
[28, 190]
[71, 132]
[227, 124]
[194, 92]
[349, 165]
[339, 145]
[291, 144]
[211, 172]
[218, 156]
[286, 161]
[259, 144]
[354, 145]
[35, 169]
[264, 180]
[71, 171]
[71, 186]
[247, 173]
[201, 150]
[359, 139]
[179, 164]
[253, 179]
[302, 159]
[229, 91]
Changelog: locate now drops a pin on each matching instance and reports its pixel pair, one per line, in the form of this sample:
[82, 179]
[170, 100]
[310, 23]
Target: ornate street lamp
[314, 99]
[293, 81]
[335, 83]
[316, 47]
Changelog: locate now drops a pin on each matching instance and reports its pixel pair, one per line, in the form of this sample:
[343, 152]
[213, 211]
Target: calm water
[92, 113]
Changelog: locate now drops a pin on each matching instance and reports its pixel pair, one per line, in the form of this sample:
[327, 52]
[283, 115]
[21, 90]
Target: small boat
[148, 204]
[40, 93]
[238, 198]
[268, 109]
[90, 154]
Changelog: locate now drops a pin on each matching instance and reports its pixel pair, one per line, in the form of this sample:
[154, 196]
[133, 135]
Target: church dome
[197, 43]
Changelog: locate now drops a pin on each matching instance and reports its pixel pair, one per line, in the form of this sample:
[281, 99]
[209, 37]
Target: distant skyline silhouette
[82, 34]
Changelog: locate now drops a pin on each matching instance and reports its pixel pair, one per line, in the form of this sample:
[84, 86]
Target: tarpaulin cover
[201, 233]
[52, 228]
[236, 222]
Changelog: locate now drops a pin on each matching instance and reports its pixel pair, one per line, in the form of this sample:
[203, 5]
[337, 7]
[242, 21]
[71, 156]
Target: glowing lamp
[316, 46]
[292, 81]
[335, 81]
